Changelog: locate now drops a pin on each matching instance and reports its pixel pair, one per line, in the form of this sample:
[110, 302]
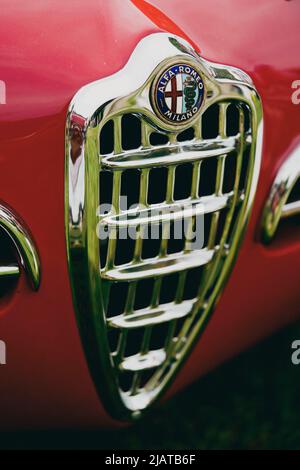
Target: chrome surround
[25, 247]
[129, 90]
[277, 206]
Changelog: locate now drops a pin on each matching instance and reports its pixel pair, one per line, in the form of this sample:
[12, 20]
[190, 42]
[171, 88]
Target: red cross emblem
[173, 94]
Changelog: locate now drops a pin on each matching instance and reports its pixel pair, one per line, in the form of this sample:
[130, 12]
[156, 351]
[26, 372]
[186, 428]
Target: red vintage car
[123, 123]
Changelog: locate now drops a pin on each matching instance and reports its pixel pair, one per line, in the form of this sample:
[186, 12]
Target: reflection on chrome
[278, 206]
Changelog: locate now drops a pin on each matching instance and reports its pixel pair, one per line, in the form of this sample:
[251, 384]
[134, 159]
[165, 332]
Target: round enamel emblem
[178, 93]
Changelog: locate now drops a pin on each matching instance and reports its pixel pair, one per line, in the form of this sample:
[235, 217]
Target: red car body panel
[48, 50]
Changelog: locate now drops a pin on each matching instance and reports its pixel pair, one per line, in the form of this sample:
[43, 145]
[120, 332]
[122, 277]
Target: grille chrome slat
[167, 212]
[117, 134]
[152, 316]
[170, 154]
[159, 266]
[141, 362]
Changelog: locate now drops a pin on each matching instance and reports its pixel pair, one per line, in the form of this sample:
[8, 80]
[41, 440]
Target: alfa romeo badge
[178, 93]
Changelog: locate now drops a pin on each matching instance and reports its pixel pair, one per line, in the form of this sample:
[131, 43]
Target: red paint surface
[48, 50]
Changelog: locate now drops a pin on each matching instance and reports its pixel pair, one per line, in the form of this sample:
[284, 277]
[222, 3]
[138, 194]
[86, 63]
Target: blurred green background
[251, 402]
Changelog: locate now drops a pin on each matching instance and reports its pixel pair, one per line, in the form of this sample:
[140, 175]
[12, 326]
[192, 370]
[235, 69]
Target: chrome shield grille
[143, 301]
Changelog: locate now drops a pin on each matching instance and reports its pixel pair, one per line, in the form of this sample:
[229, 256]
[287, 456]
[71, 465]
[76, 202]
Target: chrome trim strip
[290, 209]
[276, 206]
[24, 244]
[9, 271]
